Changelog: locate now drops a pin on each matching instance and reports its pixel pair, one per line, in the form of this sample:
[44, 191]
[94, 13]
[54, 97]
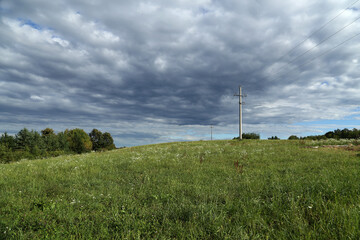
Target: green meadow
[250, 189]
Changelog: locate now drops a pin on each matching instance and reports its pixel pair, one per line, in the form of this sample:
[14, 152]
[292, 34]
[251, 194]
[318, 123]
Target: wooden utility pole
[240, 112]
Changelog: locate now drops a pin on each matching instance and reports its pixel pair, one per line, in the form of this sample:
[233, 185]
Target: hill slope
[214, 190]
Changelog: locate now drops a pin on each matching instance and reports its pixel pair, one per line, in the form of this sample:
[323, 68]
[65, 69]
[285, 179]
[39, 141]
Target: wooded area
[32, 144]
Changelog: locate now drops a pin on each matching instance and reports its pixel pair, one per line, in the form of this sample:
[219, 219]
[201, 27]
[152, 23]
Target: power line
[322, 54]
[326, 52]
[313, 33]
[316, 31]
[327, 38]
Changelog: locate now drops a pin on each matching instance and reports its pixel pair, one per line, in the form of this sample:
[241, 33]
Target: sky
[162, 71]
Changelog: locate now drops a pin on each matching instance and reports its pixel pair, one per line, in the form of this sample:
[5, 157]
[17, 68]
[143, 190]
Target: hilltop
[210, 189]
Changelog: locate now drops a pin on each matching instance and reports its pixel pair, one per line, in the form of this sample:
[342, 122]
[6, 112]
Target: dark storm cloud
[168, 64]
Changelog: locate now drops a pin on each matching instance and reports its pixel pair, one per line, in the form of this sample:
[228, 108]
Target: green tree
[30, 143]
[96, 137]
[8, 141]
[23, 139]
[51, 140]
[6, 154]
[345, 133]
[64, 144]
[79, 140]
[101, 140]
[37, 145]
[356, 133]
[330, 134]
[108, 141]
[337, 133]
[47, 132]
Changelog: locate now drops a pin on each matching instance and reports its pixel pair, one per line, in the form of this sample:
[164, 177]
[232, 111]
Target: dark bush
[248, 136]
[293, 137]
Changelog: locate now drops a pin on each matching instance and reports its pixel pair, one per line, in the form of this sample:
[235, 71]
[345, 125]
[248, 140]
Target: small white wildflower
[310, 207]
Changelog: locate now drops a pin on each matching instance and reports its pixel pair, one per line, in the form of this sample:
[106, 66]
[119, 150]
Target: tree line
[336, 134]
[32, 144]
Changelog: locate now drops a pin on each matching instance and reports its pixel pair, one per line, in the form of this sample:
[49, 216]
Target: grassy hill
[254, 189]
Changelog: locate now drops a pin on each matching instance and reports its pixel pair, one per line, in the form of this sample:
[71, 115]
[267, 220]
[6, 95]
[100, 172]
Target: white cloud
[37, 98]
[150, 66]
[60, 41]
[160, 63]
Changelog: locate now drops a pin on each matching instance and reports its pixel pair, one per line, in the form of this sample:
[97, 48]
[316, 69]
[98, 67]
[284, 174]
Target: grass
[198, 190]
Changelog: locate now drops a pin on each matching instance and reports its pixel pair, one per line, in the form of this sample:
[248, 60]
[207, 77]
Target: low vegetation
[250, 189]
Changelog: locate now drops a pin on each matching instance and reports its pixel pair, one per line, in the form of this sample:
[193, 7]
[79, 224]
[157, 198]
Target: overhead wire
[333, 48]
[312, 34]
[316, 31]
[327, 38]
[324, 40]
[322, 54]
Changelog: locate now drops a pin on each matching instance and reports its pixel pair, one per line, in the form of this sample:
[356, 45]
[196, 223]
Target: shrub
[293, 137]
[274, 138]
[249, 136]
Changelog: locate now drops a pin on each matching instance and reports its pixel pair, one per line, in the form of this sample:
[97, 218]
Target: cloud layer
[166, 70]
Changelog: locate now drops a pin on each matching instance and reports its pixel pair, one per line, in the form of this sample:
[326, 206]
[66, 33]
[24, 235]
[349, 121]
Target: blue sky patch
[30, 23]
[204, 11]
[325, 83]
[355, 9]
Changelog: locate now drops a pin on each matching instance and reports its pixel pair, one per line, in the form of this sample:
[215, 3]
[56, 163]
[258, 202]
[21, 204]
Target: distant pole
[211, 127]
[240, 112]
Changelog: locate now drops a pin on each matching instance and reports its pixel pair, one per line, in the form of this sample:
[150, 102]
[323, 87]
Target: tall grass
[185, 190]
